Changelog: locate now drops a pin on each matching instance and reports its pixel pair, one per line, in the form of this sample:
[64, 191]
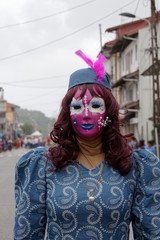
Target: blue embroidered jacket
[57, 202]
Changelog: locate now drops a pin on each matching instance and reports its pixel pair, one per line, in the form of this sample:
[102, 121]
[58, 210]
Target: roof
[128, 28]
[127, 114]
[36, 134]
[110, 43]
[10, 106]
[107, 48]
[149, 71]
[132, 104]
[121, 43]
[131, 27]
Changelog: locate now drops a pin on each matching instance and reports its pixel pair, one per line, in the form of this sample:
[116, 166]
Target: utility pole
[155, 70]
[100, 35]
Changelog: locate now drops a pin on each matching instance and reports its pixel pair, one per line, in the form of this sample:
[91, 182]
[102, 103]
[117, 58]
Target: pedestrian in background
[10, 144]
[142, 144]
[0, 145]
[90, 184]
[150, 147]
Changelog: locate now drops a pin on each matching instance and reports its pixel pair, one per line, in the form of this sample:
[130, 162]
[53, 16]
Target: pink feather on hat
[98, 66]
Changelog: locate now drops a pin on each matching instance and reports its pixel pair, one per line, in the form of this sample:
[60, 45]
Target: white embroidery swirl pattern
[60, 199]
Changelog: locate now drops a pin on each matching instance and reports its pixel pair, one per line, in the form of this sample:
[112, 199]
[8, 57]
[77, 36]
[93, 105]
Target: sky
[38, 39]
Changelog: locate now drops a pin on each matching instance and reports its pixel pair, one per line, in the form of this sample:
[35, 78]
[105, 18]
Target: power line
[45, 17]
[136, 7]
[35, 97]
[61, 38]
[38, 79]
[48, 103]
[37, 87]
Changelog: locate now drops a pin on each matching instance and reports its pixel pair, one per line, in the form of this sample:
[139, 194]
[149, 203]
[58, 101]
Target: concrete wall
[129, 59]
[145, 85]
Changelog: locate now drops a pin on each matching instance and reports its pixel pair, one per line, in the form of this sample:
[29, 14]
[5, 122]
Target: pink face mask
[87, 114]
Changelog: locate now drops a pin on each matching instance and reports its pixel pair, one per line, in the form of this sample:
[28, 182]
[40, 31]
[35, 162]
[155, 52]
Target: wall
[2, 116]
[129, 59]
[145, 85]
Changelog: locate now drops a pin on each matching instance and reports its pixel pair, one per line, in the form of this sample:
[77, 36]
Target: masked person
[90, 184]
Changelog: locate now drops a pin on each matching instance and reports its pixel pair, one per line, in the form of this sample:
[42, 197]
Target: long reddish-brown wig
[114, 144]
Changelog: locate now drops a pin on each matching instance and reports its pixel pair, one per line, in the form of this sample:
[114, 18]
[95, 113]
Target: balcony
[129, 77]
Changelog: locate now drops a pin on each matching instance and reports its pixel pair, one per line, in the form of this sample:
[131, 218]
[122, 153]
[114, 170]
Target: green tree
[27, 128]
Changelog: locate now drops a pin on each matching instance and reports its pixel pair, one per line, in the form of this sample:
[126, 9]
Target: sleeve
[146, 203]
[30, 195]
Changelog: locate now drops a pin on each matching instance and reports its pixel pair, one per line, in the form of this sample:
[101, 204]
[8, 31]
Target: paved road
[7, 202]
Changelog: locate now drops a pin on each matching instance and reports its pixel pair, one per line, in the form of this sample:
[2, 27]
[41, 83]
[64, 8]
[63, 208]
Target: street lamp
[130, 15]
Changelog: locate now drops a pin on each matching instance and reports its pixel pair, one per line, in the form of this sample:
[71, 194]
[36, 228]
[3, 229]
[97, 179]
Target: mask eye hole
[76, 107]
[95, 105]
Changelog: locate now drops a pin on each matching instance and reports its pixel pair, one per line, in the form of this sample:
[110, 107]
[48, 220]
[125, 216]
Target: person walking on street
[9, 142]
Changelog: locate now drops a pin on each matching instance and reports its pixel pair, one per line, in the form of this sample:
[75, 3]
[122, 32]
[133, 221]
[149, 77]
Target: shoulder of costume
[145, 159]
[39, 153]
[144, 154]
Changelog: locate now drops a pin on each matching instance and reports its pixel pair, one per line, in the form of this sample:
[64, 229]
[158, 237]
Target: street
[7, 169]
[7, 203]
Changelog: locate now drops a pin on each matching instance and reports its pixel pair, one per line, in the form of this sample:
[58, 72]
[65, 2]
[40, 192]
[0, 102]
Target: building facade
[8, 118]
[11, 116]
[2, 113]
[128, 57]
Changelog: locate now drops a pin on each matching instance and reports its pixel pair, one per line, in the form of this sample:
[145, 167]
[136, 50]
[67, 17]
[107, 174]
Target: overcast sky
[38, 39]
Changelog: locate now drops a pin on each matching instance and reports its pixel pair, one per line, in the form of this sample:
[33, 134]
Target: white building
[128, 58]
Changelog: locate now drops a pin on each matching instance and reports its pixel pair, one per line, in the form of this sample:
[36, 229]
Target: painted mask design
[86, 114]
